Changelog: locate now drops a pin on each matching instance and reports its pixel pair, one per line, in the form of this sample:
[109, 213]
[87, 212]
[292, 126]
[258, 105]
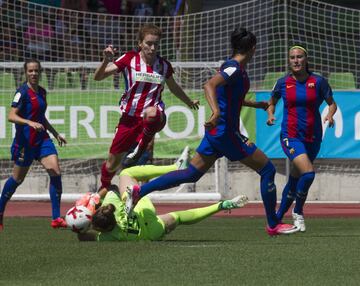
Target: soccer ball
[78, 218]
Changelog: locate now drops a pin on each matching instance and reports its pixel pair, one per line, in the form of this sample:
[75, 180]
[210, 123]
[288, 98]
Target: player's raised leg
[199, 164]
[145, 173]
[154, 121]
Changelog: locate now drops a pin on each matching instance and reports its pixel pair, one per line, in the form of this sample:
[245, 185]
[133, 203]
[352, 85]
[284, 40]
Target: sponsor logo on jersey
[17, 97]
[149, 77]
[230, 70]
[311, 85]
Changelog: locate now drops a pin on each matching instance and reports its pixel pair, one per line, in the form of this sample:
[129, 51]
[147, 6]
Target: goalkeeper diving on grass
[110, 221]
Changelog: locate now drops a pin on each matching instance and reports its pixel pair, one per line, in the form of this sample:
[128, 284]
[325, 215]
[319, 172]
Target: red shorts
[129, 132]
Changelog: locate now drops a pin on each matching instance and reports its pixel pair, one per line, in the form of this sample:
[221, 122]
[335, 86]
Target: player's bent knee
[56, 181]
[53, 172]
[126, 172]
[308, 178]
[171, 221]
[111, 168]
[151, 113]
[268, 170]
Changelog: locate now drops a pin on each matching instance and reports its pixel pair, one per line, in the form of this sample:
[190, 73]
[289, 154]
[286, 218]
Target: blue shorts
[293, 147]
[231, 145]
[23, 156]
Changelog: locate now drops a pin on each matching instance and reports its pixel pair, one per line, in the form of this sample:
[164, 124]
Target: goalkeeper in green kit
[111, 223]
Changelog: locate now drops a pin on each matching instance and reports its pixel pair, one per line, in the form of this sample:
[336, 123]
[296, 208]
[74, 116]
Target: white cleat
[131, 198]
[299, 221]
[183, 161]
[132, 158]
[235, 203]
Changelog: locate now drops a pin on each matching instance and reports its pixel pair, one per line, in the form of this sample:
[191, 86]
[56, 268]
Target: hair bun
[242, 40]
[242, 32]
[239, 33]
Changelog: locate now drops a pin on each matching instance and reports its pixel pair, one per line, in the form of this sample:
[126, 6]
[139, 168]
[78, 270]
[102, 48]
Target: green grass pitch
[218, 251]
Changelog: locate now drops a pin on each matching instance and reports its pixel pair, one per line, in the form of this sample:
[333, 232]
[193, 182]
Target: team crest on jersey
[157, 66]
[149, 77]
[311, 85]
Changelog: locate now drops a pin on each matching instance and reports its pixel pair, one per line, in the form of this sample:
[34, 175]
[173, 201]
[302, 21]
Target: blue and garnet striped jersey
[32, 106]
[230, 96]
[301, 116]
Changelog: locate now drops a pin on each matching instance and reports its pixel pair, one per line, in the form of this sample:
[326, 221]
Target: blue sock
[268, 193]
[302, 190]
[55, 191]
[288, 196]
[7, 192]
[172, 179]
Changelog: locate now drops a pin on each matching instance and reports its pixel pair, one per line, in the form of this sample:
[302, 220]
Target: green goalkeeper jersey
[144, 225]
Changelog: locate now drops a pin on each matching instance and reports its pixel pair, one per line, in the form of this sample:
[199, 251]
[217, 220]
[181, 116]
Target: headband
[300, 48]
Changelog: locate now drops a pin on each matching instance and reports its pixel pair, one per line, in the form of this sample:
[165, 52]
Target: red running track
[39, 209]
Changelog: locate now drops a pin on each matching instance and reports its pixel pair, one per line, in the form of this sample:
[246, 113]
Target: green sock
[147, 172]
[195, 215]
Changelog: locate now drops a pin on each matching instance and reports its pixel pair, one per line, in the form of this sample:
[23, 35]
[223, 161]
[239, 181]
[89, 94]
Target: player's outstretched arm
[90, 200]
[256, 104]
[180, 94]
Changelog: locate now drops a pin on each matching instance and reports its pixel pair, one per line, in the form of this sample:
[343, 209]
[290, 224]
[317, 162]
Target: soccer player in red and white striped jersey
[145, 74]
